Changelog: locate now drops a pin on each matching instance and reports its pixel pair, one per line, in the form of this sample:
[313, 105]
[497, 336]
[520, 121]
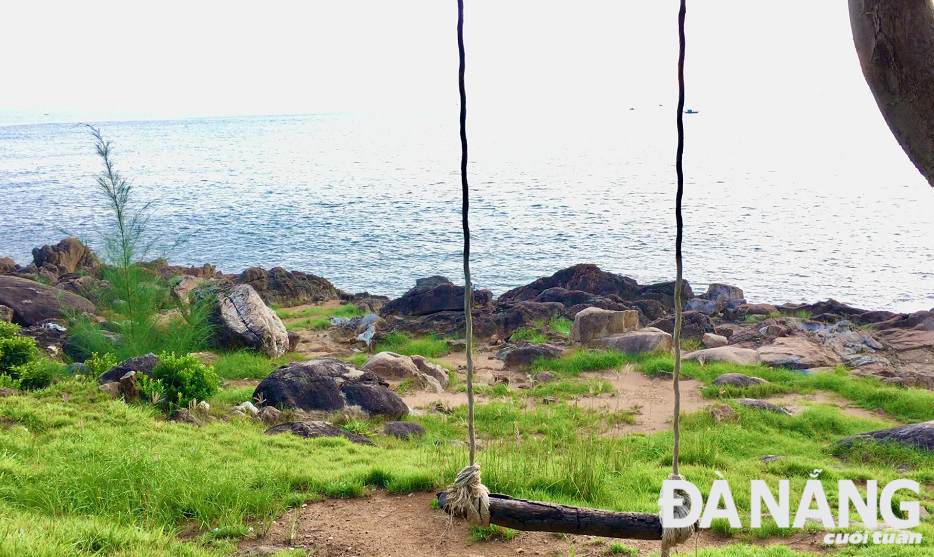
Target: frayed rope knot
[468, 497]
[675, 536]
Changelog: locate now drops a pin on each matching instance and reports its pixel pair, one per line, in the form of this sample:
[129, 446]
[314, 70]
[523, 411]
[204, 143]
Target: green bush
[16, 351]
[36, 374]
[8, 330]
[182, 379]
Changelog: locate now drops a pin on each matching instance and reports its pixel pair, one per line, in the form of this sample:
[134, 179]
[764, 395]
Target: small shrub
[37, 374]
[8, 382]
[183, 379]
[99, 363]
[16, 351]
[8, 330]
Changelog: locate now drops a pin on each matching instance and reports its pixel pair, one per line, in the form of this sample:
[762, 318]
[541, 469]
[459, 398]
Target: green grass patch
[346, 310]
[429, 346]
[529, 334]
[578, 361]
[492, 533]
[243, 365]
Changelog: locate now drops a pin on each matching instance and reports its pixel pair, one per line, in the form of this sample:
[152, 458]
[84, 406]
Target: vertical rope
[679, 169]
[672, 537]
[467, 496]
[465, 205]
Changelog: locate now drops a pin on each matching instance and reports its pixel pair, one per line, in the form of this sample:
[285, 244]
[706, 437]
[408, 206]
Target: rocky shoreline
[897, 348]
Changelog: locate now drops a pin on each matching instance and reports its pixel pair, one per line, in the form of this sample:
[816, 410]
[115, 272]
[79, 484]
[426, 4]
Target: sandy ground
[384, 525]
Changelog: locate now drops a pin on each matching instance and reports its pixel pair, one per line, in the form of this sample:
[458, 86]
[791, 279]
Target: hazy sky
[112, 60]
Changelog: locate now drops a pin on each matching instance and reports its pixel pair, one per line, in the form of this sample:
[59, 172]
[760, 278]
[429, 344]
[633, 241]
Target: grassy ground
[81, 474]
[316, 318]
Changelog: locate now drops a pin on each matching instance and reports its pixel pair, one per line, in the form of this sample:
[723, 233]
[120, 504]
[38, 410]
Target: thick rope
[674, 536]
[467, 496]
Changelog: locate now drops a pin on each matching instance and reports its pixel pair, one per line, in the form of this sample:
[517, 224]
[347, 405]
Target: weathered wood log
[895, 43]
[520, 514]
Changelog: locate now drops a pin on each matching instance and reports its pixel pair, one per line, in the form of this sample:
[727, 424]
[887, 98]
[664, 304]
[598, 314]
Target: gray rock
[730, 354]
[329, 385]
[648, 339]
[797, 352]
[523, 356]
[543, 377]
[762, 405]
[244, 321]
[312, 429]
[127, 387]
[711, 340]
[404, 430]
[33, 303]
[396, 367]
[593, 323]
[723, 292]
[920, 435]
[112, 388]
[248, 408]
[707, 307]
[140, 364]
[6, 314]
[738, 380]
[270, 415]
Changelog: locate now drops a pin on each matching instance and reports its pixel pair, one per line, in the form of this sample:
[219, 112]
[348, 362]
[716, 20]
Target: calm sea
[789, 210]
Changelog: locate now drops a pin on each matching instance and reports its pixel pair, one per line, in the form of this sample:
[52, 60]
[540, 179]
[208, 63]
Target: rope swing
[467, 496]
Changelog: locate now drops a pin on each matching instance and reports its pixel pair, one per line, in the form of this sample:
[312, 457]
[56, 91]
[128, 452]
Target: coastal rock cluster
[607, 310]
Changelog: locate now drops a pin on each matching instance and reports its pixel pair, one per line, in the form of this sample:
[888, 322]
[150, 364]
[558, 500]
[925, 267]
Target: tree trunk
[895, 43]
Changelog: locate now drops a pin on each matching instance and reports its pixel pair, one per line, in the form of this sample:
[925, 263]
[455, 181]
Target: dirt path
[384, 525]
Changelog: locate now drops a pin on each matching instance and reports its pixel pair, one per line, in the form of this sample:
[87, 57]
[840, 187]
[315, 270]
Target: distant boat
[691, 111]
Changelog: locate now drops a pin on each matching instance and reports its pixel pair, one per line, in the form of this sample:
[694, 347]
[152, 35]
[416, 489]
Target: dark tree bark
[895, 43]
[520, 514]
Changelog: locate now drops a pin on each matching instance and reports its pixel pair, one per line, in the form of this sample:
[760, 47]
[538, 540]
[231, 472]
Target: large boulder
[65, 257]
[920, 435]
[591, 279]
[593, 323]
[723, 292]
[433, 295]
[664, 292]
[329, 385]
[648, 339]
[33, 302]
[523, 356]
[288, 288]
[711, 340]
[694, 324]
[142, 365]
[7, 265]
[525, 314]
[442, 323]
[312, 429]
[730, 354]
[244, 321]
[796, 352]
[396, 368]
[583, 277]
